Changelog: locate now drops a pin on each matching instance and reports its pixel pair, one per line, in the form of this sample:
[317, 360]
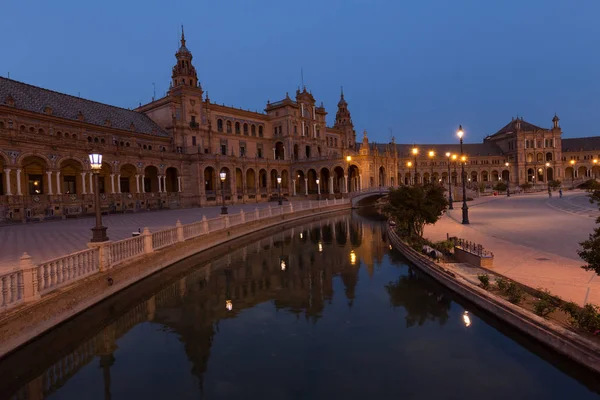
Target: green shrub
[444, 246]
[554, 184]
[546, 304]
[586, 318]
[485, 281]
[514, 293]
[590, 185]
[502, 284]
[500, 186]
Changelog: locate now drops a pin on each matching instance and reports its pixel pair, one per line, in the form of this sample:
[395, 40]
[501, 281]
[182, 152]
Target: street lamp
[409, 164]
[279, 185]
[595, 161]
[450, 206]
[415, 151]
[223, 176]
[318, 190]
[572, 162]
[507, 181]
[431, 154]
[99, 231]
[465, 208]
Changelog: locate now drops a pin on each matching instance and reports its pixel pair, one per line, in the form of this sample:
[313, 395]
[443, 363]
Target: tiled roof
[581, 144]
[525, 126]
[470, 149]
[36, 99]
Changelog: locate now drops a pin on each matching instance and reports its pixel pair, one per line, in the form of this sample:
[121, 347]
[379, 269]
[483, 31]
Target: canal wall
[42, 296]
[562, 340]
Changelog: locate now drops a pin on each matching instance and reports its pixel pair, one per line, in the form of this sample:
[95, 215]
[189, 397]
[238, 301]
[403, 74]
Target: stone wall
[464, 256]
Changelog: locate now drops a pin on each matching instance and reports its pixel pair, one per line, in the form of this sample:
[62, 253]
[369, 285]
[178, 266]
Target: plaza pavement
[47, 240]
[534, 239]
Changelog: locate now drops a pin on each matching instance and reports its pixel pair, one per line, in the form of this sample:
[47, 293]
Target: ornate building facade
[169, 153]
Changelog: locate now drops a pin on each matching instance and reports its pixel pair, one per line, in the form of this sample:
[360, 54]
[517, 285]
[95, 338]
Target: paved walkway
[47, 240]
[534, 239]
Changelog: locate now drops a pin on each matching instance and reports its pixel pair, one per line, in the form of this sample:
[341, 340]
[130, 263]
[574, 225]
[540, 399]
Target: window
[193, 140]
[253, 130]
[274, 131]
[242, 150]
[147, 185]
[318, 132]
[259, 150]
[193, 122]
[101, 185]
[224, 149]
[35, 184]
[70, 184]
[539, 143]
[335, 142]
[237, 128]
[220, 125]
[295, 129]
[245, 129]
[260, 131]
[280, 130]
[228, 126]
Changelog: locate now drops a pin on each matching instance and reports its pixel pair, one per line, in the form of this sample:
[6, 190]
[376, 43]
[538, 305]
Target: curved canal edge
[22, 324]
[562, 340]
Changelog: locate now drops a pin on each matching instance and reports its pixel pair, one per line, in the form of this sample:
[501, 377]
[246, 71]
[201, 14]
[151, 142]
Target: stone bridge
[375, 192]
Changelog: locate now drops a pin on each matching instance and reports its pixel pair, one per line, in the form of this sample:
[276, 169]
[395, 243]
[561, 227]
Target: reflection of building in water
[192, 307]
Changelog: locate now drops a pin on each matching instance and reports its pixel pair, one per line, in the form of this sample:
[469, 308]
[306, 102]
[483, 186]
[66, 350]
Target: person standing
[560, 193]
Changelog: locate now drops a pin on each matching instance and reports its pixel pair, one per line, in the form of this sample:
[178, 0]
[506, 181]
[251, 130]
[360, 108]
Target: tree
[414, 206]
[554, 184]
[590, 249]
[500, 186]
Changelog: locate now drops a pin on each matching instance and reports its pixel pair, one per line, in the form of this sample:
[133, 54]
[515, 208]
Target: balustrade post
[104, 261]
[291, 208]
[270, 211]
[242, 216]
[147, 240]
[326, 203]
[226, 221]
[204, 224]
[179, 231]
[30, 278]
[256, 213]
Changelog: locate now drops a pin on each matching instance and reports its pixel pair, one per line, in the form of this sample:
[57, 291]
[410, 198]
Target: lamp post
[507, 181]
[547, 180]
[279, 186]
[572, 162]
[409, 164]
[99, 231]
[318, 190]
[431, 155]
[415, 151]
[450, 206]
[223, 176]
[595, 161]
[465, 207]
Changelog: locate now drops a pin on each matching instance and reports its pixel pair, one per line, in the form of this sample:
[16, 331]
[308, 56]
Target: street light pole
[431, 155]
[572, 174]
[465, 208]
[279, 186]
[507, 181]
[99, 231]
[415, 151]
[450, 201]
[223, 176]
[318, 190]
[409, 164]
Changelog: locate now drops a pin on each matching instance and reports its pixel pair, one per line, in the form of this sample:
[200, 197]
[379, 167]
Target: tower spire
[182, 36]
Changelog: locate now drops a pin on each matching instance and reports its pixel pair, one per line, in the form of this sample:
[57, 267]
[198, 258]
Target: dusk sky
[418, 68]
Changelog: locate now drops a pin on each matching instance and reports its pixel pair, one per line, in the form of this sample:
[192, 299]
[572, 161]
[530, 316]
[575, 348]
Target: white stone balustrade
[29, 282]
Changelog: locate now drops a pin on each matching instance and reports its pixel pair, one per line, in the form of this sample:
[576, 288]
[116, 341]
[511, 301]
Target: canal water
[321, 310]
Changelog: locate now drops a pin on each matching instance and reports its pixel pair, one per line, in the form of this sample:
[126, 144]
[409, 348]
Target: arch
[549, 174]
[595, 171]
[228, 125]
[128, 179]
[529, 157]
[279, 151]
[581, 172]
[311, 174]
[474, 176]
[495, 176]
[382, 177]
[324, 181]
[72, 182]
[253, 130]
[426, 177]
[274, 174]
[260, 131]
[354, 182]
[540, 157]
[239, 182]
[262, 179]
[209, 180]
[21, 158]
[299, 182]
[548, 156]
[296, 152]
[285, 181]
[307, 152]
[569, 173]
[150, 179]
[219, 125]
[34, 169]
[338, 179]
[171, 180]
[237, 128]
[485, 177]
[245, 129]
[540, 175]
[530, 175]
[251, 181]
[506, 176]
[407, 178]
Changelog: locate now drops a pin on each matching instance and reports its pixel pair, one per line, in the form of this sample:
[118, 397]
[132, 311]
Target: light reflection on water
[323, 310]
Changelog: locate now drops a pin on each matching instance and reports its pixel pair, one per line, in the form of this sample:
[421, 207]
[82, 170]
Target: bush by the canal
[514, 293]
[586, 318]
[484, 280]
[546, 303]
[502, 284]
[412, 207]
[500, 186]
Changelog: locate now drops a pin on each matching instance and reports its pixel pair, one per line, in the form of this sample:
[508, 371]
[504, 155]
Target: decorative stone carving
[13, 155]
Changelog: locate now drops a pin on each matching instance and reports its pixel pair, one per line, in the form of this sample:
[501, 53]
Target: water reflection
[301, 313]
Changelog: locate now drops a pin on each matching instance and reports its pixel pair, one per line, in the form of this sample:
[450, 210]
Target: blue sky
[419, 68]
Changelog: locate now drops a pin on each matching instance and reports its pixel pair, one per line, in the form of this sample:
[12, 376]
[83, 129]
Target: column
[294, 186]
[359, 182]
[91, 176]
[306, 186]
[58, 188]
[159, 184]
[119, 183]
[137, 183]
[49, 175]
[83, 174]
[112, 183]
[165, 183]
[19, 193]
[331, 184]
[7, 173]
[142, 183]
[345, 183]
[179, 184]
